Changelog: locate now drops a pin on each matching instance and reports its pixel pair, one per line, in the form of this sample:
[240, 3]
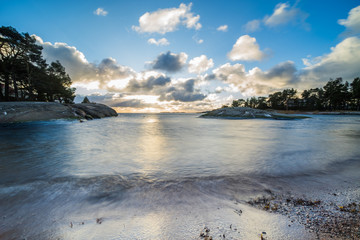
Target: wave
[116, 187]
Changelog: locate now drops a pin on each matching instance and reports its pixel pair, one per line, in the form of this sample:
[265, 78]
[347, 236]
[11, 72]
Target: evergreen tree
[25, 75]
[355, 92]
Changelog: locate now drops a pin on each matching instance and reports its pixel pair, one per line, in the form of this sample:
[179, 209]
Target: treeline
[335, 95]
[24, 73]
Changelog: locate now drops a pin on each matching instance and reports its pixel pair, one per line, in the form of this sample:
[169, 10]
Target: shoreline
[324, 218]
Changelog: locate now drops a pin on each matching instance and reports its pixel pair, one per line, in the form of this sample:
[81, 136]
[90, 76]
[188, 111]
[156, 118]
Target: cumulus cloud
[160, 42]
[168, 20]
[342, 61]
[148, 84]
[79, 69]
[222, 28]
[111, 76]
[219, 89]
[200, 64]
[246, 49]
[230, 73]
[256, 81]
[352, 23]
[100, 12]
[183, 92]
[170, 62]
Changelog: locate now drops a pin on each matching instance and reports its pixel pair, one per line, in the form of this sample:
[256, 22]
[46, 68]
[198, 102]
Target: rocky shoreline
[42, 111]
[326, 219]
[248, 113]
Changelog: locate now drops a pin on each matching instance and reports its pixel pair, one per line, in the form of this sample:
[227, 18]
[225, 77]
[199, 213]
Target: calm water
[57, 172]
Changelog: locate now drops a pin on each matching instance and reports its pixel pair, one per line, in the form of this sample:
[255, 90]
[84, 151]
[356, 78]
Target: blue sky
[113, 52]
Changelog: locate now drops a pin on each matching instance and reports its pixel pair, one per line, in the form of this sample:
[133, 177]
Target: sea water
[162, 176]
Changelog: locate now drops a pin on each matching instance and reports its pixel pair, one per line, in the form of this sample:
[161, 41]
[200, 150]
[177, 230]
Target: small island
[248, 113]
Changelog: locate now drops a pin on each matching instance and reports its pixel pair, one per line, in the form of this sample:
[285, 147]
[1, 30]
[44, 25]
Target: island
[248, 113]
[43, 111]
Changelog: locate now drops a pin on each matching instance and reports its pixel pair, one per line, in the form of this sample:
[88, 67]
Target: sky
[190, 56]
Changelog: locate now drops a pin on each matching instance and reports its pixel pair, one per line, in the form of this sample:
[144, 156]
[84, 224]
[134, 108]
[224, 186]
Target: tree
[313, 99]
[235, 103]
[287, 95]
[275, 100]
[355, 92]
[336, 94]
[17, 53]
[261, 103]
[241, 102]
[59, 84]
[25, 75]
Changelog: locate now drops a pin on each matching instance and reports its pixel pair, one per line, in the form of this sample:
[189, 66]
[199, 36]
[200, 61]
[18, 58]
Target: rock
[94, 110]
[86, 100]
[99, 220]
[43, 111]
[247, 113]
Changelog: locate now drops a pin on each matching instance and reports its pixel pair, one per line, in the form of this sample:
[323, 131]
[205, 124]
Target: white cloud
[118, 86]
[255, 81]
[200, 41]
[200, 64]
[283, 14]
[246, 49]
[352, 23]
[100, 12]
[218, 89]
[342, 61]
[223, 28]
[252, 26]
[168, 20]
[160, 42]
[80, 70]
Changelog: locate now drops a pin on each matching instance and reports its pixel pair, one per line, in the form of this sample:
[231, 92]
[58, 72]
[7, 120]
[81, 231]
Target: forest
[24, 73]
[335, 95]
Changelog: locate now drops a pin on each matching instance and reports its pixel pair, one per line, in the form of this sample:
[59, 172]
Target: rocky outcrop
[42, 111]
[93, 110]
[246, 112]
